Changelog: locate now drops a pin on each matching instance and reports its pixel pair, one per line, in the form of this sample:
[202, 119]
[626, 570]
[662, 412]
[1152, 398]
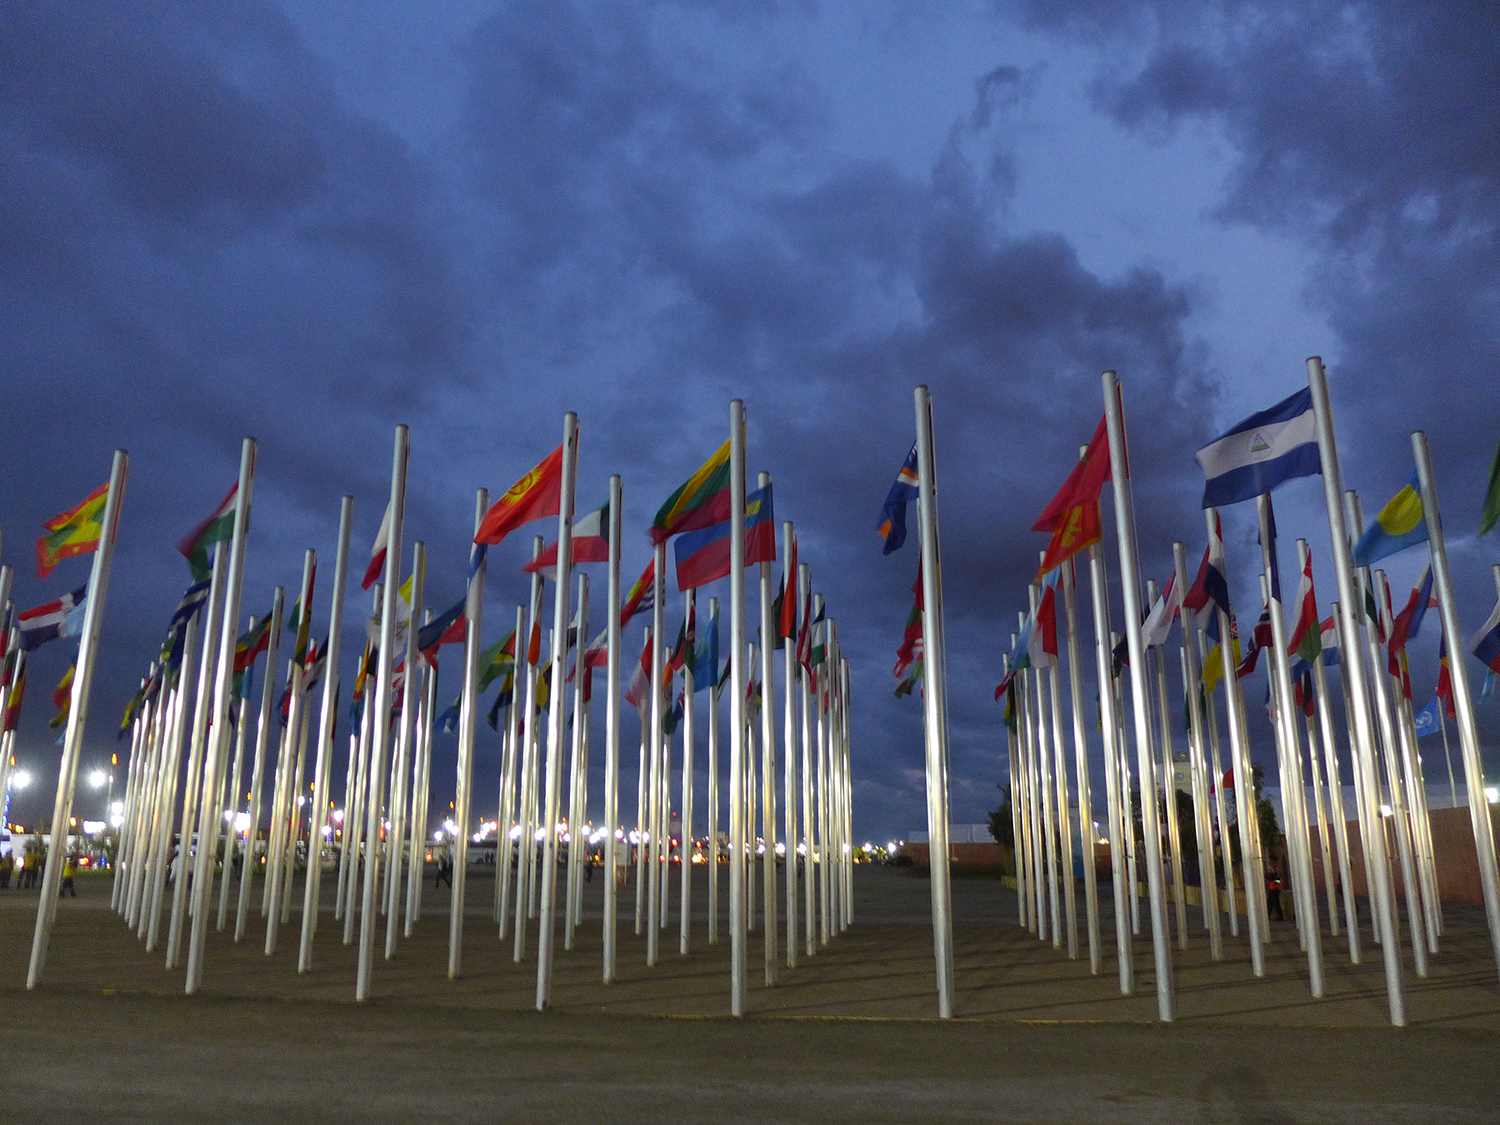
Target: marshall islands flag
[1263, 451]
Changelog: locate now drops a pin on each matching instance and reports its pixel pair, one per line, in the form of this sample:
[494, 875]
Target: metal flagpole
[689, 686]
[327, 718]
[468, 713]
[789, 744]
[1158, 654]
[1336, 802]
[217, 739]
[1108, 724]
[197, 735]
[739, 681]
[526, 700]
[1087, 835]
[769, 893]
[1130, 583]
[642, 808]
[577, 801]
[405, 755]
[808, 817]
[1208, 884]
[1044, 785]
[354, 802]
[1463, 701]
[1122, 764]
[1064, 820]
[1354, 676]
[820, 775]
[283, 793]
[231, 835]
[612, 734]
[1031, 816]
[171, 769]
[508, 848]
[934, 704]
[380, 734]
[295, 799]
[557, 705]
[653, 742]
[421, 776]
[1017, 797]
[257, 769]
[1221, 821]
[713, 790]
[1325, 852]
[83, 673]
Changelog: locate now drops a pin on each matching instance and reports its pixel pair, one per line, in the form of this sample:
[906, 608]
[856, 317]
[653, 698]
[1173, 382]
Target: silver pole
[612, 734]
[526, 849]
[934, 699]
[380, 736]
[577, 800]
[1064, 819]
[739, 681]
[83, 676]
[1169, 778]
[653, 742]
[508, 847]
[713, 791]
[1463, 700]
[421, 782]
[284, 794]
[257, 769]
[1045, 787]
[789, 742]
[642, 806]
[688, 730]
[354, 802]
[468, 715]
[1124, 890]
[405, 754]
[1354, 674]
[1087, 835]
[767, 765]
[1130, 583]
[231, 835]
[1208, 884]
[1336, 802]
[808, 816]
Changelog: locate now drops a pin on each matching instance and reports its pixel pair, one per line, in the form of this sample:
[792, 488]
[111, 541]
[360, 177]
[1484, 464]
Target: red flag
[534, 647]
[1047, 618]
[1083, 485]
[787, 627]
[535, 496]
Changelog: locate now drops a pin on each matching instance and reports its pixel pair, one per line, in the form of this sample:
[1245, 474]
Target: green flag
[1491, 513]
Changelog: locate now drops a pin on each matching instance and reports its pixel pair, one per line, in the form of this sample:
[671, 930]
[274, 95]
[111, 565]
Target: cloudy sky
[309, 222]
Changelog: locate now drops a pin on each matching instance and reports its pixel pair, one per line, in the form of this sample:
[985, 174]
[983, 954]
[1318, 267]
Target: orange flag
[1073, 514]
[535, 496]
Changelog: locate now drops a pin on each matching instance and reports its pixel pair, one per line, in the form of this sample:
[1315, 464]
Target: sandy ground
[847, 1035]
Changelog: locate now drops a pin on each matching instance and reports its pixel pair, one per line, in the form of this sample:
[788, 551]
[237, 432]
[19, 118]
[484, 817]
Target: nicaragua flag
[1263, 451]
[1401, 523]
[47, 622]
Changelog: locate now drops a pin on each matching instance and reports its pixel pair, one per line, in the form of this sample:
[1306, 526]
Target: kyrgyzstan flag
[1073, 514]
[535, 496]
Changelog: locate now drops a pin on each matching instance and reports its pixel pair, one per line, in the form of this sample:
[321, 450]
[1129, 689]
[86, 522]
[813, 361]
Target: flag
[703, 554]
[132, 707]
[786, 625]
[893, 512]
[1409, 620]
[1491, 510]
[51, 620]
[503, 699]
[1158, 623]
[1400, 524]
[64, 690]
[639, 688]
[187, 607]
[1445, 681]
[590, 544]
[706, 657]
[724, 674]
[1210, 591]
[74, 532]
[13, 703]
[1072, 516]
[535, 496]
[447, 722]
[700, 501]
[819, 651]
[1307, 635]
[499, 658]
[1486, 642]
[1047, 617]
[911, 638]
[642, 595]
[1426, 720]
[449, 627]
[544, 688]
[1329, 635]
[378, 551]
[915, 677]
[1265, 450]
[804, 631]
[252, 643]
[217, 528]
[1213, 663]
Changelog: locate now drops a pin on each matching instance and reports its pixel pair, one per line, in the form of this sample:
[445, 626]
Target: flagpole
[1087, 835]
[197, 736]
[88, 647]
[713, 789]
[294, 826]
[820, 774]
[258, 762]
[1044, 783]
[1064, 819]
[1463, 700]
[1221, 817]
[1130, 583]
[164, 789]
[350, 771]
[406, 753]
[689, 686]
[217, 740]
[789, 742]
[236, 774]
[1169, 778]
[1243, 773]
[525, 698]
[739, 681]
[934, 705]
[1325, 852]
[577, 800]
[804, 585]
[1354, 677]
[467, 715]
[612, 733]
[768, 760]
[380, 734]
[642, 808]
[1032, 814]
[1124, 892]
[1208, 883]
[282, 793]
[1017, 793]
[653, 742]
[354, 802]
[421, 778]
[1336, 802]
[508, 848]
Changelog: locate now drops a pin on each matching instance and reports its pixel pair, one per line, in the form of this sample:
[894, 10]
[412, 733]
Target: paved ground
[847, 1035]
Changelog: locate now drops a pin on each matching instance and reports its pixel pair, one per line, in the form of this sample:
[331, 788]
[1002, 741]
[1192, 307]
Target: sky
[310, 222]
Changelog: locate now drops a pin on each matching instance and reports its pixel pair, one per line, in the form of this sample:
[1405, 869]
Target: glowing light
[437, 837]
[20, 779]
[891, 847]
[1386, 810]
[515, 832]
[868, 849]
[98, 778]
[338, 816]
[1492, 794]
[117, 806]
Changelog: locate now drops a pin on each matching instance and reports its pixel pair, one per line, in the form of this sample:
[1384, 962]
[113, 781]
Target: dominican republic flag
[377, 552]
[1486, 643]
[590, 544]
[1263, 451]
[703, 556]
[62, 618]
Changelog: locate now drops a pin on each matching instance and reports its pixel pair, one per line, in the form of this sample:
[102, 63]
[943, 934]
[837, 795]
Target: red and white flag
[377, 552]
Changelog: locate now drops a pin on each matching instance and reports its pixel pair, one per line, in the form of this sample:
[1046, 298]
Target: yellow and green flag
[74, 532]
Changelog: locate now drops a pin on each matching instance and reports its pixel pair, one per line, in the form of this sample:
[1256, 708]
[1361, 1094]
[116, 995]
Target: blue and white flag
[1427, 718]
[1263, 451]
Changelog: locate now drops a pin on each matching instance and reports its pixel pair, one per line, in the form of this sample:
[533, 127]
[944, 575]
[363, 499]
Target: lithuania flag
[701, 501]
[70, 533]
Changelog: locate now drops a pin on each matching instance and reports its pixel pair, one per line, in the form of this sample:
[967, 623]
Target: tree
[1002, 824]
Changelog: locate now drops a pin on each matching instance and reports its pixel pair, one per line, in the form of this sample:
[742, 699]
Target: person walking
[69, 870]
[1273, 893]
[7, 868]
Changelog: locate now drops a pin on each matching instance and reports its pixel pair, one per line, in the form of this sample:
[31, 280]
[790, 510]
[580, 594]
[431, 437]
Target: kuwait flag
[74, 532]
[703, 555]
[535, 496]
[701, 501]
[62, 618]
[217, 528]
[590, 544]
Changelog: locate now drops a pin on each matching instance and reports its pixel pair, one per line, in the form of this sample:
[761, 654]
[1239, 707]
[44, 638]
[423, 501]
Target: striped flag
[217, 528]
[1210, 592]
[590, 544]
[74, 532]
[1265, 450]
[700, 501]
[48, 622]
[1307, 634]
[378, 551]
[642, 596]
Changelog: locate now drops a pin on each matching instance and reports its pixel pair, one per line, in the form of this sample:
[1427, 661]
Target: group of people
[27, 873]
